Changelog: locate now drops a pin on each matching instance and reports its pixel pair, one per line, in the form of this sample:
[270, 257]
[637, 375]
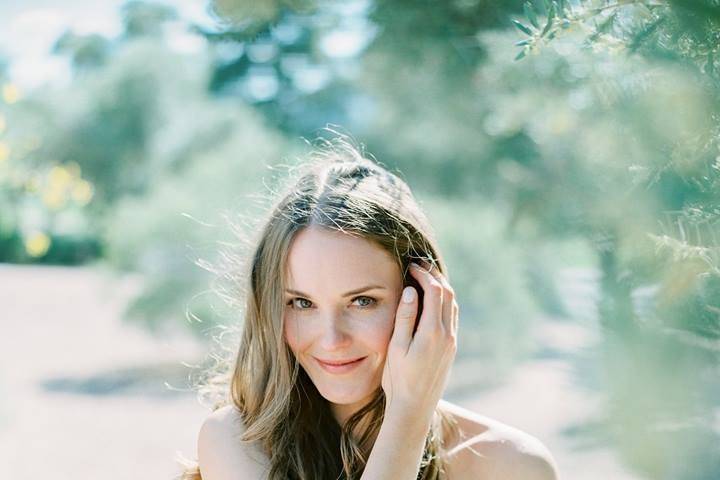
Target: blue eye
[300, 303]
[370, 301]
[294, 305]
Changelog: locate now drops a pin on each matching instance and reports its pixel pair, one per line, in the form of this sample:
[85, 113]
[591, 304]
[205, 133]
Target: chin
[342, 391]
[343, 396]
[340, 398]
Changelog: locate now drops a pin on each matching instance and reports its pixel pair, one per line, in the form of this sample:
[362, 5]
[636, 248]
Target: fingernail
[413, 264]
[408, 295]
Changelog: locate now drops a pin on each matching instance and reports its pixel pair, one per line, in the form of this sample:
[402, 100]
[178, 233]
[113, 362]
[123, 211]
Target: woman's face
[340, 304]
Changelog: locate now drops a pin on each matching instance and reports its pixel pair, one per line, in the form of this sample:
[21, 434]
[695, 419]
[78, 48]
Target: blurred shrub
[487, 271]
[185, 218]
[661, 263]
[43, 202]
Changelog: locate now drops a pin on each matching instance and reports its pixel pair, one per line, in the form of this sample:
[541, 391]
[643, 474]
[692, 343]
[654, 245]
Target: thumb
[405, 319]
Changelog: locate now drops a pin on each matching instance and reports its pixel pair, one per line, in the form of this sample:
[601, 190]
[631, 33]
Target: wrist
[407, 421]
[399, 447]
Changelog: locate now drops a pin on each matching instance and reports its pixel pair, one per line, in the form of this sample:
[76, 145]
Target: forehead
[321, 259]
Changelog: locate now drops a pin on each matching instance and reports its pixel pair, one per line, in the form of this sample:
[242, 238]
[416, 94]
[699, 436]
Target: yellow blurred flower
[10, 93]
[37, 244]
[83, 192]
[54, 198]
[60, 178]
[4, 151]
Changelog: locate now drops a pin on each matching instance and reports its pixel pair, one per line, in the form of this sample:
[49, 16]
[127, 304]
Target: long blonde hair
[340, 189]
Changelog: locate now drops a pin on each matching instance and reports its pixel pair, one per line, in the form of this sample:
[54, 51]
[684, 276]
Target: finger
[456, 317]
[448, 295]
[405, 319]
[431, 318]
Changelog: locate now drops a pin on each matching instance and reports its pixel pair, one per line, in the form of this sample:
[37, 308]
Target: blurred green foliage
[42, 200]
[487, 271]
[660, 257]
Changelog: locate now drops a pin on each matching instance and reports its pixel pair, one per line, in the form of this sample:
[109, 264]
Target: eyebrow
[346, 294]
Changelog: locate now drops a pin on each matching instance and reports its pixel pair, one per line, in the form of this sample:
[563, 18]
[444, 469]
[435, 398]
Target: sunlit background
[567, 153]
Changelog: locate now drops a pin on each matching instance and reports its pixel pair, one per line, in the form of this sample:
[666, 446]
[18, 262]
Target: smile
[339, 367]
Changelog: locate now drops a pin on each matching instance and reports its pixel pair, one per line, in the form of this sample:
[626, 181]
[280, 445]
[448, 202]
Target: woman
[349, 335]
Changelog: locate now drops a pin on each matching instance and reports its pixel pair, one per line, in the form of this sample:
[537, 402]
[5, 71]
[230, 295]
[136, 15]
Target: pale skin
[325, 322]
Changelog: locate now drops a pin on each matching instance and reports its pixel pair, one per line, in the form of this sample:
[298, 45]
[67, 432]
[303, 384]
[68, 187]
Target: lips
[339, 366]
[340, 362]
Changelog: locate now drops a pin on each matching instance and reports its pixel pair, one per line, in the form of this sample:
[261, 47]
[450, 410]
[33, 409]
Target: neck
[343, 412]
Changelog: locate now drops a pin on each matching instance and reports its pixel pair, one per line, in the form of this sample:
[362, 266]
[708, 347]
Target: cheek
[378, 330]
[291, 333]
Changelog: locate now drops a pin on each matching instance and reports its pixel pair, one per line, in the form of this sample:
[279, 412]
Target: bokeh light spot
[10, 93]
[37, 244]
[83, 192]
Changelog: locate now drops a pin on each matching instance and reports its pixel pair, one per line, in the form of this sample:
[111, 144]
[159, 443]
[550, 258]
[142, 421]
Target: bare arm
[398, 449]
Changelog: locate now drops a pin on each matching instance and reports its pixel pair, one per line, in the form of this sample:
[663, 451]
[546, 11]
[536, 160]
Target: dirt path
[84, 396]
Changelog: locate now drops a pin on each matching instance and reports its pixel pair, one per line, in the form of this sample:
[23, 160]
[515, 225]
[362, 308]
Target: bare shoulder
[221, 453]
[488, 449]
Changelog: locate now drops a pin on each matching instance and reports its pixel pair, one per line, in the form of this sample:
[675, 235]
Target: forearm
[398, 449]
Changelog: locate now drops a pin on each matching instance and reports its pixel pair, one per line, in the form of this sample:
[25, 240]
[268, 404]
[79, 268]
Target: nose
[334, 335]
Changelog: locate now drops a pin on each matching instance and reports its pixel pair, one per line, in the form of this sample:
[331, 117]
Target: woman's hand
[416, 372]
[417, 367]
